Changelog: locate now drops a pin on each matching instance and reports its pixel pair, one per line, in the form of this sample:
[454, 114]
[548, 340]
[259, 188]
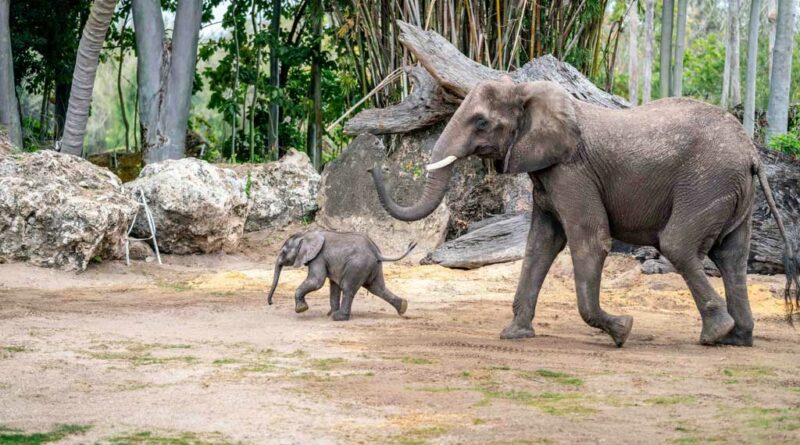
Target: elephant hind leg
[378, 287]
[730, 256]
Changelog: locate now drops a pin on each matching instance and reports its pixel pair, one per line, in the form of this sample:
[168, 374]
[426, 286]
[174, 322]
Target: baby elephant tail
[408, 250]
[791, 263]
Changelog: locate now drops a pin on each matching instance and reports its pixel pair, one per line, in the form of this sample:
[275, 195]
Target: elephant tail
[408, 250]
[791, 264]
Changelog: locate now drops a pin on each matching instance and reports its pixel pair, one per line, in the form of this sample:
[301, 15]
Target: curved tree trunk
[781, 79]
[752, 65]
[647, 65]
[9, 108]
[80, 97]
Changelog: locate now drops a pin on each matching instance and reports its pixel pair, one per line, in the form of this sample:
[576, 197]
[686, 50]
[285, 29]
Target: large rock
[280, 192]
[348, 201]
[197, 207]
[58, 210]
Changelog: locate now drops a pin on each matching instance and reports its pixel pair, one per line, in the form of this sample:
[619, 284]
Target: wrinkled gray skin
[349, 260]
[675, 174]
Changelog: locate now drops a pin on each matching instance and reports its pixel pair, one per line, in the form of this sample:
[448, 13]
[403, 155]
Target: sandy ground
[190, 353]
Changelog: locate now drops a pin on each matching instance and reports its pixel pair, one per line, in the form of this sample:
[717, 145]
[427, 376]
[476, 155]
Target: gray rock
[280, 192]
[140, 250]
[348, 201]
[197, 207]
[58, 210]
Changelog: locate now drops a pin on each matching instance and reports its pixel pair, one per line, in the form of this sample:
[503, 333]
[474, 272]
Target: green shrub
[788, 143]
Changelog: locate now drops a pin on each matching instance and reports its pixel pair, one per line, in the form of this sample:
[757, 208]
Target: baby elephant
[350, 260]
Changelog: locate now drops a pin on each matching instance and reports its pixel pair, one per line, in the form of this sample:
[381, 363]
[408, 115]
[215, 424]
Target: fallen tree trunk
[503, 238]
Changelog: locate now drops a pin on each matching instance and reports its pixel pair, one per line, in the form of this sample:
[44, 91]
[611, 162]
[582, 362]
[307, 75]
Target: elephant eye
[481, 123]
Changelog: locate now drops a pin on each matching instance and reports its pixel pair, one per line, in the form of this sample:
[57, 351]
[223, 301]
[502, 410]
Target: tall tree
[680, 45]
[752, 64]
[633, 54]
[165, 74]
[647, 65]
[772, 19]
[9, 108]
[736, 72]
[314, 139]
[780, 81]
[80, 96]
[274, 75]
[667, 13]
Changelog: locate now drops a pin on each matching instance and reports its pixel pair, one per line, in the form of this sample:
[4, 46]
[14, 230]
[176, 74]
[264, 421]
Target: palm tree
[680, 45]
[647, 65]
[780, 81]
[752, 65]
[667, 14]
[80, 97]
[633, 55]
[9, 109]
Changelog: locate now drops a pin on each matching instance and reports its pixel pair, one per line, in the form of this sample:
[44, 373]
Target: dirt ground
[189, 353]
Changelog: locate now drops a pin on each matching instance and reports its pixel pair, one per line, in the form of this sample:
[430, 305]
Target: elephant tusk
[443, 163]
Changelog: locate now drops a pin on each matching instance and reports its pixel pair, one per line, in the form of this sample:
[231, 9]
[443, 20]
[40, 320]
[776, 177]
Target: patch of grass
[466, 374]
[748, 372]
[13, 349]
[554, 403]
[177, 286]
[784, 419]
[501, 368]
[440, 389]
[148, 438]
[17, 437]
[418, 436]
[224, 361]
[677, 399]
[554, 376]
[416, 361]
[298, 353]
[326, 364]
[143, 359]
[478, 421]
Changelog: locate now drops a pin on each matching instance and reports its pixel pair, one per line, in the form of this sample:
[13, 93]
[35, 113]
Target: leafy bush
[788, 143]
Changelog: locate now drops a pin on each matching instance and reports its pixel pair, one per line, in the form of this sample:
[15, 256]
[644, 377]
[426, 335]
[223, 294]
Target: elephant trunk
[432, 195]
[278, 267]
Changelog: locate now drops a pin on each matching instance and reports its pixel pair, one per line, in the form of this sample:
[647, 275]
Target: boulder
[140, 250]
[280, 192]
[197, 207]
[58, 210]
[348, 201]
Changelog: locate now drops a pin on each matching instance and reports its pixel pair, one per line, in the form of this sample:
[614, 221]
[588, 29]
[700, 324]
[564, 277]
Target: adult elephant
[675, 174]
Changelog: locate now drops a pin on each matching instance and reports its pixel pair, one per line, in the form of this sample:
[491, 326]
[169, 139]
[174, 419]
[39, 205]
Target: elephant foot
[619, 328]
[403, 307]
[716, 326]
[300, 306]
[737, 337]
[514, 331]
[339, 316]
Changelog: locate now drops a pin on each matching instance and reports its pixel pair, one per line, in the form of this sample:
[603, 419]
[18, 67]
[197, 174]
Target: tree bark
[736, 72]
[667, 14]
[726, 71]
[633, 55]
[80, 97]
[647, 65]
[752, 65]
[772, 19]
[150, 51]
[781, 79]
[9, 107]
[314, 136]
[680, 45]
[274, 74]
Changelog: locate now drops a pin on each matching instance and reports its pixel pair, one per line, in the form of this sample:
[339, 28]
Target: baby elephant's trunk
[275, 278]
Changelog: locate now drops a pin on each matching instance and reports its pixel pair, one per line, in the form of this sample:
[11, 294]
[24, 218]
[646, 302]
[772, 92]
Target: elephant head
[296, 251]
[522, 127]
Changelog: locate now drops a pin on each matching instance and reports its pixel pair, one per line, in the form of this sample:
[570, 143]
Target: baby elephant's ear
[310, 246]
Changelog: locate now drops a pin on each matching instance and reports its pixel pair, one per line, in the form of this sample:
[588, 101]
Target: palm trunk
[680, 45]
[633, 55]
[647, 66]
[9, 107]
[80, 97]
[752, 65]
[666, 46]
[736, 72]
[781, 79]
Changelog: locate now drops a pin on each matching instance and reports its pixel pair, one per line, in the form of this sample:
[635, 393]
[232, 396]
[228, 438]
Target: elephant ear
[309, 248]
[548, 132]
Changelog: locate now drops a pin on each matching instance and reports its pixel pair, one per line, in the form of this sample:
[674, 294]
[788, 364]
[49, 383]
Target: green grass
[554, 403]
[139, 354]
[783, 419]
[416, 361]
[553, 376]
[9, 351]
[748, 372]
[17, 437]
[326, 364]
[677, 399]
[418, 436]
[148, 438]
[224, 361]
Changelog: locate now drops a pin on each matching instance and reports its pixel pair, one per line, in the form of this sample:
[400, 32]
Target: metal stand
[150, 223]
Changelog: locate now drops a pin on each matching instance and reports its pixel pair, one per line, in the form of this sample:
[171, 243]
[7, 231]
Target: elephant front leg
[545, 240]
[314, 281]
[589, 251]
[336, 296]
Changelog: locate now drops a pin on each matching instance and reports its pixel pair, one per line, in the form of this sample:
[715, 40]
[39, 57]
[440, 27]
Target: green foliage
[248, 185]
[703, 65]
[17, 437]
[788, 143]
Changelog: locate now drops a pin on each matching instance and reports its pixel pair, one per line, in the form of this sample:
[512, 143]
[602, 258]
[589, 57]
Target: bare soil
[189, 353]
